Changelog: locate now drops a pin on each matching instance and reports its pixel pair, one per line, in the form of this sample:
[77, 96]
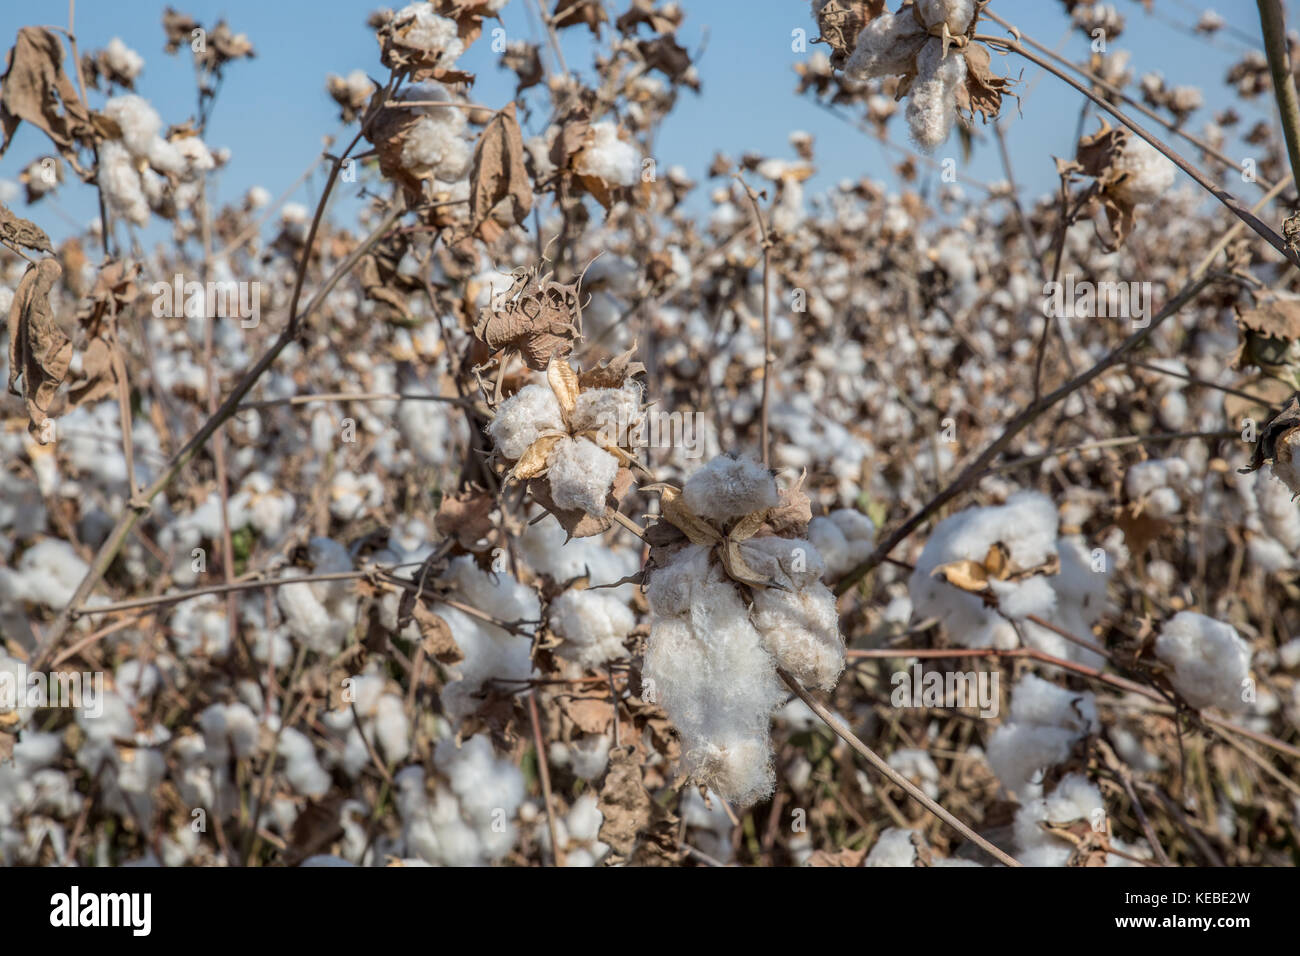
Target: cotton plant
[1071, 824]
[728, 606]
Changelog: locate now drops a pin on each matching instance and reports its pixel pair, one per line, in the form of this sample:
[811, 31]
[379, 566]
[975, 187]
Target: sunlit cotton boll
[1148, 174]
[1210, 661]
[580, 474]
[523, 418]
[610, 158]
[592, 625]
[728, 487]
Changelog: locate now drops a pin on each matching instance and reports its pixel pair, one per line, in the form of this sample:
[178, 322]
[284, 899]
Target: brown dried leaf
[983, 90]
[845, 857]
[39, 351]
[467, 516]
[22, 232]
[498, 178]
[35, 87]
[575, 521]
[1273, 430]
[569, 13]
[436, 637]
[840, 22]
[539, 317]
[1274, 315]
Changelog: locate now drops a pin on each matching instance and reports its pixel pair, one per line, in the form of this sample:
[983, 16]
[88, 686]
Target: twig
[1273, 23]
[544, 772]
[894, 776]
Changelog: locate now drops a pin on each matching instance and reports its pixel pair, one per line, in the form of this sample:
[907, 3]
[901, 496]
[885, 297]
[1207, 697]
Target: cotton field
[517, 495]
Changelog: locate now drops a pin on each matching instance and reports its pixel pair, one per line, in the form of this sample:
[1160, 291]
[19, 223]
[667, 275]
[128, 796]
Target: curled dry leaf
[436, 637]
[467, 516]
[17, 231]
[39, 351]
[975, 576]
[36, 89]
[570, 13]
[499, 182]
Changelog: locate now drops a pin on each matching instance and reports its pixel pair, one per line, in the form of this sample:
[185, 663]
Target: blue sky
[273, 111]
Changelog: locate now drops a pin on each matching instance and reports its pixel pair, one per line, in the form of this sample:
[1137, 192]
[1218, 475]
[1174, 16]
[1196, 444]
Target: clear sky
[273, 111]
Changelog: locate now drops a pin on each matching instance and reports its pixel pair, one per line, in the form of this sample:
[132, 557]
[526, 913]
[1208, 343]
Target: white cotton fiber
[801, 629]
[932, 100]
[1148, 175]
[1046, 721]
[608, 157]
[581, 475]
[1210, 661]
[729, 487]
[893, 848]
[844, 538]
[523, 418]
[593, 626]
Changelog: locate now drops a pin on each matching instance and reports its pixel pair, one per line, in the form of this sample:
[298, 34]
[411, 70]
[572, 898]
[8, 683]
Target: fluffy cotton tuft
[593, 626]
[932, 100]
[610, 158]
[1046, 722]
[523, 418]
[844, 537]
[1210, 660]
[1148, 174]
[729, 487]
[581, 475]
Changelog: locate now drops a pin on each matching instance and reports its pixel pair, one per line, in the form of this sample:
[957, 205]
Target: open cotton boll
[801, 629]
[436, 146]
[1074, 799]
[121, 184]
[1046, 722]
[428, 31]
[729, 487]
[917, 766]
[47, 574]
[593, 626]
[932, 99]
[229, 730]
[886, 46]
[1026, 526]
[1149, 175]
[612, 411]
[844, 538]
[523, 418]
[1210, 660]
[894, 847]
[391, 728]
[582, 826]
[122, 60]
[581, 475]
[301, 768]
[608, 157]
[672, 587]
[138, 121]
[956, 13]
[589, 756]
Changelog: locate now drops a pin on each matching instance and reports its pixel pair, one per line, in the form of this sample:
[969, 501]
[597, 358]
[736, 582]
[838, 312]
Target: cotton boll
[122, 60]
[1148, 174]
[392, 729]
[301, 768]
[792, 562]
[886, 46]
[581, 475]
[121, 184]
[593, 626]
[435, 147]
[1210, 660]
[801, 630]
[523, 418]
[728, 487]
[932, 99]
[1045, 723]
[893, 848]
[918, 767]
[613, 411]
[229, 730]
[956, 13]
[672, 587]
[608, 157]
[138, 121]
[589, 756]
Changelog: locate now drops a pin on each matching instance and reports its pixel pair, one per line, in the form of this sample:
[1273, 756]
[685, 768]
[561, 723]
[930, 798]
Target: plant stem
[1273, 23]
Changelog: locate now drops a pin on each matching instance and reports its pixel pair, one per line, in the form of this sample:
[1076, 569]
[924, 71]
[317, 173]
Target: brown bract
[103, 366]
[976, 576]
[840, 22]
[537, 317]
